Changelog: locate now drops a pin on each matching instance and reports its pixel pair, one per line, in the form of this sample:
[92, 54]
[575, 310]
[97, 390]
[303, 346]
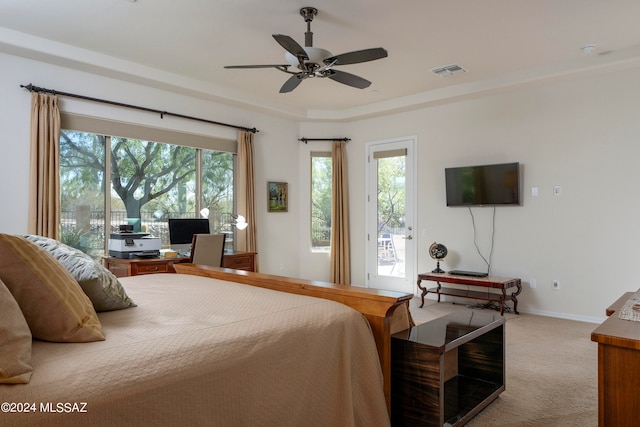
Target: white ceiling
[183, 46]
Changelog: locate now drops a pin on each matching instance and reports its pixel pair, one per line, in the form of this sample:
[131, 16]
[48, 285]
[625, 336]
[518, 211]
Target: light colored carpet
[551, 371]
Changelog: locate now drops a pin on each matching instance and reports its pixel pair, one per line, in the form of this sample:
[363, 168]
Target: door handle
[409, 237]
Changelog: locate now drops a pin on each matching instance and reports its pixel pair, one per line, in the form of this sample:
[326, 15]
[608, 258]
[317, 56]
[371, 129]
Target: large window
[107, 181]
[321, 193]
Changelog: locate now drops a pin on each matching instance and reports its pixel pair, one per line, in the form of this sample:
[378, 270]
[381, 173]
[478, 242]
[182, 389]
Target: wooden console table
[445, 371]
[121, 267]
[618, 368]
[501, 283]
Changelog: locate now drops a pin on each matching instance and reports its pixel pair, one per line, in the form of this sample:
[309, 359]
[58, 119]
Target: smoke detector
[448, 70]
[588, 48]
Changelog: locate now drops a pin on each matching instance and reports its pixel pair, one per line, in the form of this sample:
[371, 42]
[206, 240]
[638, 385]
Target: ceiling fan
[316, 62]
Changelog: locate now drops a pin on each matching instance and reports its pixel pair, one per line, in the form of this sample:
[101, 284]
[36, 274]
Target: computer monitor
[181, 231]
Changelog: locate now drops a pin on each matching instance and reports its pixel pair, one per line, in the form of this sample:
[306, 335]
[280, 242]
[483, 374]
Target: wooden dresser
[136, 266]
[618, 368]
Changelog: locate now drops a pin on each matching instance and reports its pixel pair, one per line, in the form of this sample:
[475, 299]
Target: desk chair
[207, 249]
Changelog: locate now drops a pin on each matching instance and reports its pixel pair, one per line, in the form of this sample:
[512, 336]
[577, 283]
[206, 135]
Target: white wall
[276, 146]
[582, 134]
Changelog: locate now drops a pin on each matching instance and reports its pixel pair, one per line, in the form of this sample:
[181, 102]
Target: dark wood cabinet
[445, 371]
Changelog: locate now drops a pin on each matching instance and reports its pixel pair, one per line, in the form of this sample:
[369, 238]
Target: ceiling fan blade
[258, 66]
[291, 46]
[349, 79]
[357, 56]
[291, 83]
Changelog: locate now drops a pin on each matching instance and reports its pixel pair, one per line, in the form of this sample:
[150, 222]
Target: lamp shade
[241, 222]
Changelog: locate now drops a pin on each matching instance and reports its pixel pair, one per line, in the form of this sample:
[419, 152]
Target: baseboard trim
[567, 316]
[587, 319]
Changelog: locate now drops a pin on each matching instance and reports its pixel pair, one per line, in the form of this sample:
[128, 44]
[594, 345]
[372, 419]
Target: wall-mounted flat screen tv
[483, 185]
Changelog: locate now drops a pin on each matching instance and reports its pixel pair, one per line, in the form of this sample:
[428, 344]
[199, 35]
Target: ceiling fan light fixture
[316, 62]
[316, 56]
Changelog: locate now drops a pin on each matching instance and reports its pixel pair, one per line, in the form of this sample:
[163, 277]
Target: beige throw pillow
[15, 341]
[52, 301]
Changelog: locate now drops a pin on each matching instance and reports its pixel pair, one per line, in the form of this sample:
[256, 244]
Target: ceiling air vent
[448, 70]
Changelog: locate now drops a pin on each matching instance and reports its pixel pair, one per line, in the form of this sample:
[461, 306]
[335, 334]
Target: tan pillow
[15, 341]
[53, 303]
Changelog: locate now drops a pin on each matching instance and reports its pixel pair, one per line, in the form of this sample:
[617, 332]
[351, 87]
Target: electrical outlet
[532, 283]
[555, 285]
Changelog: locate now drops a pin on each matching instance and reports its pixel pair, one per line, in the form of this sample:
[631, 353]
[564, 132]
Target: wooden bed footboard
[376, 305]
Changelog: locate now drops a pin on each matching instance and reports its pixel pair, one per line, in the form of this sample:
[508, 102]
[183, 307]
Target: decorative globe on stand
[438, 252]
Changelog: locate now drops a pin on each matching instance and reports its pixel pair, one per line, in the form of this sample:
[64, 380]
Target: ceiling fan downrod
[308, 13]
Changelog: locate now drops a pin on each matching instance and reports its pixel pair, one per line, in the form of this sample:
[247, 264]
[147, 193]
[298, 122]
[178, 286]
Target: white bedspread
[202, 352]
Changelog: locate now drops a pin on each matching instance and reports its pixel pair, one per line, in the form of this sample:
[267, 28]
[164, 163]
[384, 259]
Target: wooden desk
[501, 283]
[239, 260]
[618, 369]
[132, 267]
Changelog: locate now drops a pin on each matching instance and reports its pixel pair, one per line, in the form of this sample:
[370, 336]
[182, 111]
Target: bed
[219, 347]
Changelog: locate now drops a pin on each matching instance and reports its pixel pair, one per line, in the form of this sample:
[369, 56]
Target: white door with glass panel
[390, 215]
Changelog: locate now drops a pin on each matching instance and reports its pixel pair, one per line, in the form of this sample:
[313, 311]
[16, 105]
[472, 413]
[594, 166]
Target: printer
[134, 245]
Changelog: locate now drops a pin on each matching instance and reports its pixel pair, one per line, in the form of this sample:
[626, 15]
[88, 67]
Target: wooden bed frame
[376, 305]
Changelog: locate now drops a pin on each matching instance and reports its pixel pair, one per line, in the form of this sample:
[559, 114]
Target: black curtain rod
[324, 139]
[32, 88]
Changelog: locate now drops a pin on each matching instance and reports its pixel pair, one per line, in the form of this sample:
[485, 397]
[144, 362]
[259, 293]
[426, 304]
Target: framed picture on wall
[277, 197]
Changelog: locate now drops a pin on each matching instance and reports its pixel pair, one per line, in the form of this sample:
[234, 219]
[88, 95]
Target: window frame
[110, 128]
[318, 154]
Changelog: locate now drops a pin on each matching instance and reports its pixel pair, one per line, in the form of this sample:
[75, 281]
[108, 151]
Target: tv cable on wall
[475, 238]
